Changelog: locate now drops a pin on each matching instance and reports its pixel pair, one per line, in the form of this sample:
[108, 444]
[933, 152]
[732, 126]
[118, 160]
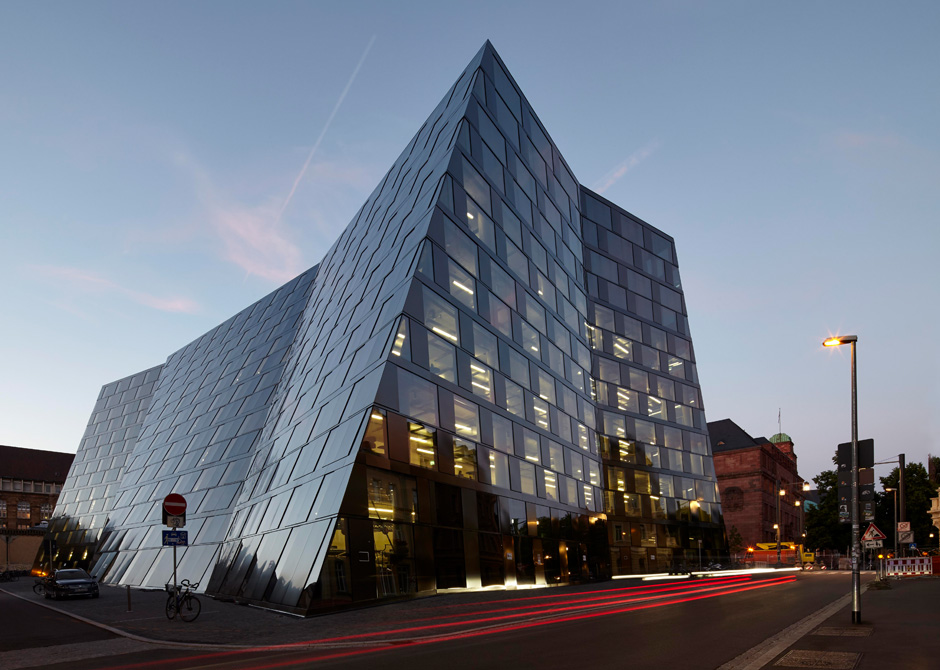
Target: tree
[823, 530]
[735, 541]
[918, 492]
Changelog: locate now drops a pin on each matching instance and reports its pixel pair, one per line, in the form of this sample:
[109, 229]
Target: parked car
[69, 582]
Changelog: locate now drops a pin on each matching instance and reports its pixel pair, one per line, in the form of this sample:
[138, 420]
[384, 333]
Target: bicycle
[181, 600]
[39, 588]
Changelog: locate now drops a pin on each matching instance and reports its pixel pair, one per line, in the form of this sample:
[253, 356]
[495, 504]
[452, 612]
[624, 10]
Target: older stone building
[30, 482]
[758, 482]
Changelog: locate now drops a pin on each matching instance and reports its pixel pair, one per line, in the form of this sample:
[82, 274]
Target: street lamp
[851, 340]
[895, 519]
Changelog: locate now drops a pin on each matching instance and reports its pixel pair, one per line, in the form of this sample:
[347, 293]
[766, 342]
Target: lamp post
[851, 340]
[895, 519]
[782, 492]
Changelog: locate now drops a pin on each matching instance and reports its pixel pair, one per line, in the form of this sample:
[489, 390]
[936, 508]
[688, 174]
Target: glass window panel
[481, 381]
[603, 317]
[530, 340]
[655, 408]
[502, 434]
[614, 424]
[417, 397]
[540, 412]
[575, 464]
[677, 367]
[465, 459]
[401, 346]
[422, 445]
[642, 481]
[531, 448]
[631, 503]
[494, 468]
[466, 418]
[546, 386]
[608, 370]
[485, 346]
[639, 380]
[551, 484]
[515, 399]
[517, 366]
[645, 432]
[534, 313]
[556, 456]
[652, 455]
[503, 285]
[594, 472]
[442, 358]
[666, 487]
[650, 357]
[476, 186]
[517, 261]
[665, 388]
[626, 399]
[374, 439]
[481, 225]
[622, 347]
[461, 285]
[460, 247]
[526, 477]
[500, 316]
[672, 437]
[617, 479]
[440, 316]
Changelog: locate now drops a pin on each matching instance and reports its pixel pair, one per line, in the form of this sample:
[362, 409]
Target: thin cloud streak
[88, 281]
[326, 127]
[628, 164]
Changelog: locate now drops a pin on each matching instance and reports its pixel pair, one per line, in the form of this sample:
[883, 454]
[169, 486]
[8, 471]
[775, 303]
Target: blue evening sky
[163, 165]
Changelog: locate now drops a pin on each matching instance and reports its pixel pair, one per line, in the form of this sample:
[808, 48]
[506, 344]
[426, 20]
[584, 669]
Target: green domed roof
[781, 437]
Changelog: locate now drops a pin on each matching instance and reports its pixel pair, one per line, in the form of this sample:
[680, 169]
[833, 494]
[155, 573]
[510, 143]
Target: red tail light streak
[557, 609]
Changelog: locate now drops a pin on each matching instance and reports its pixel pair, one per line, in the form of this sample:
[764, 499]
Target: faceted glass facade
[488, 380]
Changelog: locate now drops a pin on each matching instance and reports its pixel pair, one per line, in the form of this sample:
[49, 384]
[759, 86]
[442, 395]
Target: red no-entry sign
[175, 504]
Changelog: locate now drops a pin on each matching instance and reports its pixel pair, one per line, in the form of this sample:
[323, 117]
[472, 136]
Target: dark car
[71, 582]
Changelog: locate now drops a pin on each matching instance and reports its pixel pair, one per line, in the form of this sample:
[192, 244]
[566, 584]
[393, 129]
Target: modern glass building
[488, 380]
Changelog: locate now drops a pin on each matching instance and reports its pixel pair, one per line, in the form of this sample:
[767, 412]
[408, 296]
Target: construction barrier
[908, 567]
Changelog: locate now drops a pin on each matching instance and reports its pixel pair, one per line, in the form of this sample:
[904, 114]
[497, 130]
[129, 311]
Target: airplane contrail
[326, 127]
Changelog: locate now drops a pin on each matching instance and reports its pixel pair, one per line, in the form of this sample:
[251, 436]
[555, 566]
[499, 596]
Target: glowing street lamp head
[839, 339]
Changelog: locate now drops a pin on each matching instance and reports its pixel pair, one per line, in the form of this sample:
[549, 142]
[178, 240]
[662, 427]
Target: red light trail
[506, 620]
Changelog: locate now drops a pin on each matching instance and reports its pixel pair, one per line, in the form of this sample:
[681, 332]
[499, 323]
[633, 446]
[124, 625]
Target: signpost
[174, 516]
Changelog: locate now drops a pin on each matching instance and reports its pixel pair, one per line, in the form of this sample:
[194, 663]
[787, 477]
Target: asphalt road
[676, 626]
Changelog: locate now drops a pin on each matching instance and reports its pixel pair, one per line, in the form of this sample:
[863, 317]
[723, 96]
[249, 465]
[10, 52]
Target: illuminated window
[374, 440]
[401, 346]
[422, 446]
[442, 358]
[623, 348]
[461, 285]
[481, 381]
[23, 509]
[465, 459]
[440, 316]
[551, 485]
[466, 418]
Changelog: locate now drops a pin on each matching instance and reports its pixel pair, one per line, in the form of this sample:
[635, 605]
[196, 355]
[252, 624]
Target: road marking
[762, 654]
[831, 660]
[43, 656]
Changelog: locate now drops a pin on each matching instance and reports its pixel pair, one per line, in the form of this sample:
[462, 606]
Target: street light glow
[839, 339]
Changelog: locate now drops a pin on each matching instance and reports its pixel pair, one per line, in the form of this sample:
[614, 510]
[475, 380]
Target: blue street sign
[178, 538]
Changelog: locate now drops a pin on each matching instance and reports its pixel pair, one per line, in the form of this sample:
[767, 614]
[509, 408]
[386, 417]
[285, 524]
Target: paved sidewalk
[900, 629]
